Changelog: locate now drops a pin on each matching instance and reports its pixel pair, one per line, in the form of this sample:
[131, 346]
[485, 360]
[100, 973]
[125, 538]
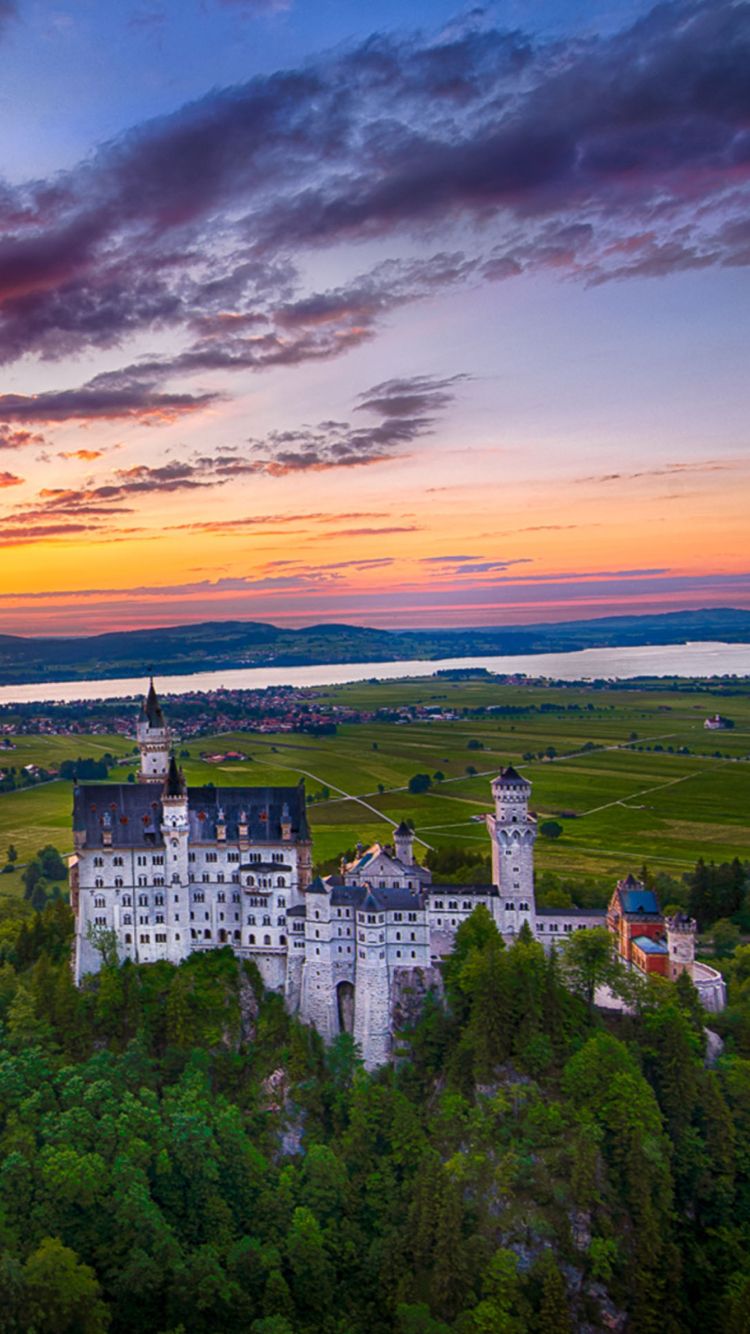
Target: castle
[166, 870]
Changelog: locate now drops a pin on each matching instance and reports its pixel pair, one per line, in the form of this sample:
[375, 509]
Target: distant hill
[212, 645]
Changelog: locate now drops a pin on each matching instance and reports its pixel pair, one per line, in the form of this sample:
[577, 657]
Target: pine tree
[554, 1315]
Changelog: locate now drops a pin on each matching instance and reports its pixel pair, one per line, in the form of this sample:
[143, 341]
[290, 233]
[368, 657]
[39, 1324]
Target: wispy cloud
[609, 157]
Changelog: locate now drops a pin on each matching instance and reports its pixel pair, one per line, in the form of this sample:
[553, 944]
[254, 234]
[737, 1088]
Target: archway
[345, 1003]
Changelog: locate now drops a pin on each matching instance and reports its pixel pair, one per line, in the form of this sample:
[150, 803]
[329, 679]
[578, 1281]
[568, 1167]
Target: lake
[699, 659]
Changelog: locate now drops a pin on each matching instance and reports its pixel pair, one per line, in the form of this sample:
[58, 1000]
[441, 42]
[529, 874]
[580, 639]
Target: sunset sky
[386, 313]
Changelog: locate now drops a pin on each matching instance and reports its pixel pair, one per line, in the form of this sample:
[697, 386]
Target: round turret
[681, 931]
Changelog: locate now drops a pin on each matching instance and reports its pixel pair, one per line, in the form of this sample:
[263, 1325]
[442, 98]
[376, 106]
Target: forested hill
[177, 1154]
[213, 645]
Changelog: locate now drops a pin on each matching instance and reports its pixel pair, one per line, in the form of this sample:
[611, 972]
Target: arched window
[251, 940]
[266, 940]
[282, 940]
[128, 939]
[280, 880]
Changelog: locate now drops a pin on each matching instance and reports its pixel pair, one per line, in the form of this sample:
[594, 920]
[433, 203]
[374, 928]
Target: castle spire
[153, 738]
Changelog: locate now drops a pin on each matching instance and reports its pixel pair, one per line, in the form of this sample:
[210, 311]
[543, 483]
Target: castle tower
[372, 997]
[153, 739]
[175, 832]
[318, 988]
[403, 838]
[513, 833]
[681, 944]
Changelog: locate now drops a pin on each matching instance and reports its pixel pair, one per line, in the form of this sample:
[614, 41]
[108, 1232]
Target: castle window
[142, 880]
[251, 940]
[199, 896]
[158, 879]
[266, 921]
[145, 940]
[207, 917]
[438, 903]
[280, 881]
[126, 900]
[221, 896]
[413, 934]
[524, 907]
[100, 921]
[160, 939]
[143, 900]
[280, 921]
[235, 877]
[99, 883]
[191, 856]
[157, 859]
[98, 861]
[100, 903]
[220, 878]
[159, 900]
[466, 907]
[206, 935]
[282, 940]
[206, 878]
[128, 939]
[282, 902]
[414, 954]
[452, 905]
[266, 940]
[412, 917]
[212, 856]
[233, 856]
[398, 917]
[440, 921]
[398, 954]
[362, 954]
[398, 935]
[160, 919]
[540, 926]
[127, 919]
[191, 878]
[235, 898]
[117, 861]
[509, 907]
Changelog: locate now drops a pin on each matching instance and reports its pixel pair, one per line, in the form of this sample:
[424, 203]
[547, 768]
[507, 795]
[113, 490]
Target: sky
[391, 314]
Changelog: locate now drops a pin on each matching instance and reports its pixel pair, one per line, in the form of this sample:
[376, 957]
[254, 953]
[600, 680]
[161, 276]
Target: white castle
[165, 870]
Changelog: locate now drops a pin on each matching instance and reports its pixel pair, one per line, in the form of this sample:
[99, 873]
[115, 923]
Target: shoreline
[702, 659]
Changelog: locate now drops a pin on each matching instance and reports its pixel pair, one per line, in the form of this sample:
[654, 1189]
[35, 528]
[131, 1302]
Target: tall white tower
[513, 833]
[175, 832]
[153, 739]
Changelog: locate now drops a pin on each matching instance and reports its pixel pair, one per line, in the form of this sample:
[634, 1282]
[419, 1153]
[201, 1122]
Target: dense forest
[177, 1154]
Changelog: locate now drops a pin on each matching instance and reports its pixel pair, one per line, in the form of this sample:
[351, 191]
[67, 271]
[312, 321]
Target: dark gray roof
[346, 896]
[404, 829]
[390, 900]
[151, 708]
[264, 807]
[512, 778]
[455, 891]
[318, 886]
[175, 785]
[133, 813]
[299, 911]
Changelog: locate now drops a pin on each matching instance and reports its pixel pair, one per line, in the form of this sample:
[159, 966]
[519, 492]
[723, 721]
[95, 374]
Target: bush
[550, 829]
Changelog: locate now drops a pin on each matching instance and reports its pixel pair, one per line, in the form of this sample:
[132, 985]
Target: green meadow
[631, 799]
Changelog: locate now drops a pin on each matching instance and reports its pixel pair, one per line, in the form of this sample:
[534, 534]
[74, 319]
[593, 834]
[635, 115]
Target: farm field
[614, 779]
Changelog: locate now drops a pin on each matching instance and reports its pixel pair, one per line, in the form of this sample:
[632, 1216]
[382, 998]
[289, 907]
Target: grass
[630, 804]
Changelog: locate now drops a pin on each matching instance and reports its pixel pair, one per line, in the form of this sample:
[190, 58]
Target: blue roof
[649, 946]
[640, 901]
